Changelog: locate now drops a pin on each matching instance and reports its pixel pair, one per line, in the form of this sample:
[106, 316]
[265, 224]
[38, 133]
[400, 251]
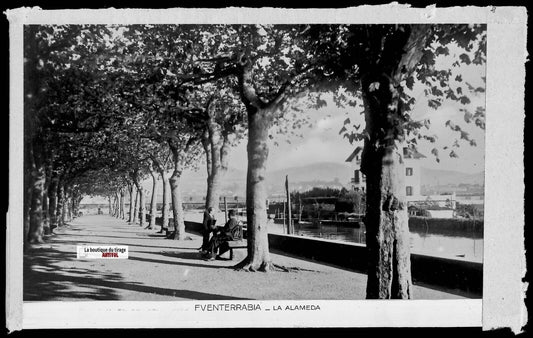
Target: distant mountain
[434, 177]
[340, 174]
[324, 174]
[302, 178]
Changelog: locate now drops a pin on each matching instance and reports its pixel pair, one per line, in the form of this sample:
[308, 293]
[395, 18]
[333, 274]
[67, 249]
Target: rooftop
[354, 154]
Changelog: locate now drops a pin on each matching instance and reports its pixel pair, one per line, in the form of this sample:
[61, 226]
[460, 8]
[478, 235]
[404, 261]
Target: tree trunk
[153, 200]
[142, 207]
[117, 204]
[216, 148]
[387, 231]
[214, 187]
[29, 168]
[73, 204]
[386, 220]
[46, 211]
[68, 204]
[46, 200]
[60, 214]
[52, 201]
[256, 193]
[131, 189]
[135, 206]
[36, 230]
[177, 207]
[122, 204]
[110, 205]
[206, 144]
[141, 204]
[77, 205]
[114, 204]
[66, 207]
[166, 201]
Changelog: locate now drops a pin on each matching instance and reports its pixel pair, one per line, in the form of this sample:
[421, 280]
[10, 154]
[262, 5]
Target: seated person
[230, 232]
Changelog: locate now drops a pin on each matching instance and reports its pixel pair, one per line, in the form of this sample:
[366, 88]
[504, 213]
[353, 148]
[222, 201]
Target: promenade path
[160, 269]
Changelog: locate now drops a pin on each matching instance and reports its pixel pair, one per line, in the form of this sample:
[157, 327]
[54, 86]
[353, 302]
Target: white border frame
[504, 261]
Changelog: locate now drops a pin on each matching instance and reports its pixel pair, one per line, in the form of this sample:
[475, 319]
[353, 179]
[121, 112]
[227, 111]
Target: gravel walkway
[160, 269]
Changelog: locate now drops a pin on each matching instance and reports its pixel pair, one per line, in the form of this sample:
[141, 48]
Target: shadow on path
[175, 263]
[44, 280]
[183, 255]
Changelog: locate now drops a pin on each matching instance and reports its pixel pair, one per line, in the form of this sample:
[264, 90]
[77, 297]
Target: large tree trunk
[177, 207]
[34, 171]
[35, 233]
[153, 200]
[386, 220]
[256, 193]
[166, 201]
[387, 231]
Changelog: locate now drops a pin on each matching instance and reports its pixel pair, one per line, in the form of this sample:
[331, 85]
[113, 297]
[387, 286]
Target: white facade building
[358, 180]
[412, 173]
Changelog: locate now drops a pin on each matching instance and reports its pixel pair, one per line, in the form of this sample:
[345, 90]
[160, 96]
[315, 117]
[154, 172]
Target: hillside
[324, 174]
[432, 177]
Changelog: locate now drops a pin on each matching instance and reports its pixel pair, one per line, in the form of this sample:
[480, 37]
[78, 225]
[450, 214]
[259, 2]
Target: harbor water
[457, 245]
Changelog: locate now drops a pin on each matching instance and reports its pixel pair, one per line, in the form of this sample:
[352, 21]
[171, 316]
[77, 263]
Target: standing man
[209, 226]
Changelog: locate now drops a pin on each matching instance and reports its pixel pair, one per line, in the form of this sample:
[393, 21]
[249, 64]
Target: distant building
[471, 198]
[412, 173]
[435, 206]
[358, 181]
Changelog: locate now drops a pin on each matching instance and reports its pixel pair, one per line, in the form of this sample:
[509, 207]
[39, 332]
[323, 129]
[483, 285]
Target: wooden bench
[238, 244]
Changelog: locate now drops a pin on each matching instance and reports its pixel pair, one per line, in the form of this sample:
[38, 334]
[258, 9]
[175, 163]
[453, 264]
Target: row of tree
[106, 106]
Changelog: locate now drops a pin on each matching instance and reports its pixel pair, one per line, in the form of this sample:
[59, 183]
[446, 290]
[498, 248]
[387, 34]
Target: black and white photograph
[256, 169]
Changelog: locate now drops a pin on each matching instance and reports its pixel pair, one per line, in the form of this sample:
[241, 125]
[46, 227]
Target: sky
[321, 141]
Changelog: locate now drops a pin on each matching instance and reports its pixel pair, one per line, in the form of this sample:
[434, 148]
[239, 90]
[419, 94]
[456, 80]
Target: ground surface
[161, 269]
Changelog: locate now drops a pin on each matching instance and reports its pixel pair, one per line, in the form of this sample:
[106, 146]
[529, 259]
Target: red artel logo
[109, 254]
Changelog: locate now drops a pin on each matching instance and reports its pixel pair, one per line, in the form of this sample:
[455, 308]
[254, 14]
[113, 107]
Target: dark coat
[232, 229]
[209, 221]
